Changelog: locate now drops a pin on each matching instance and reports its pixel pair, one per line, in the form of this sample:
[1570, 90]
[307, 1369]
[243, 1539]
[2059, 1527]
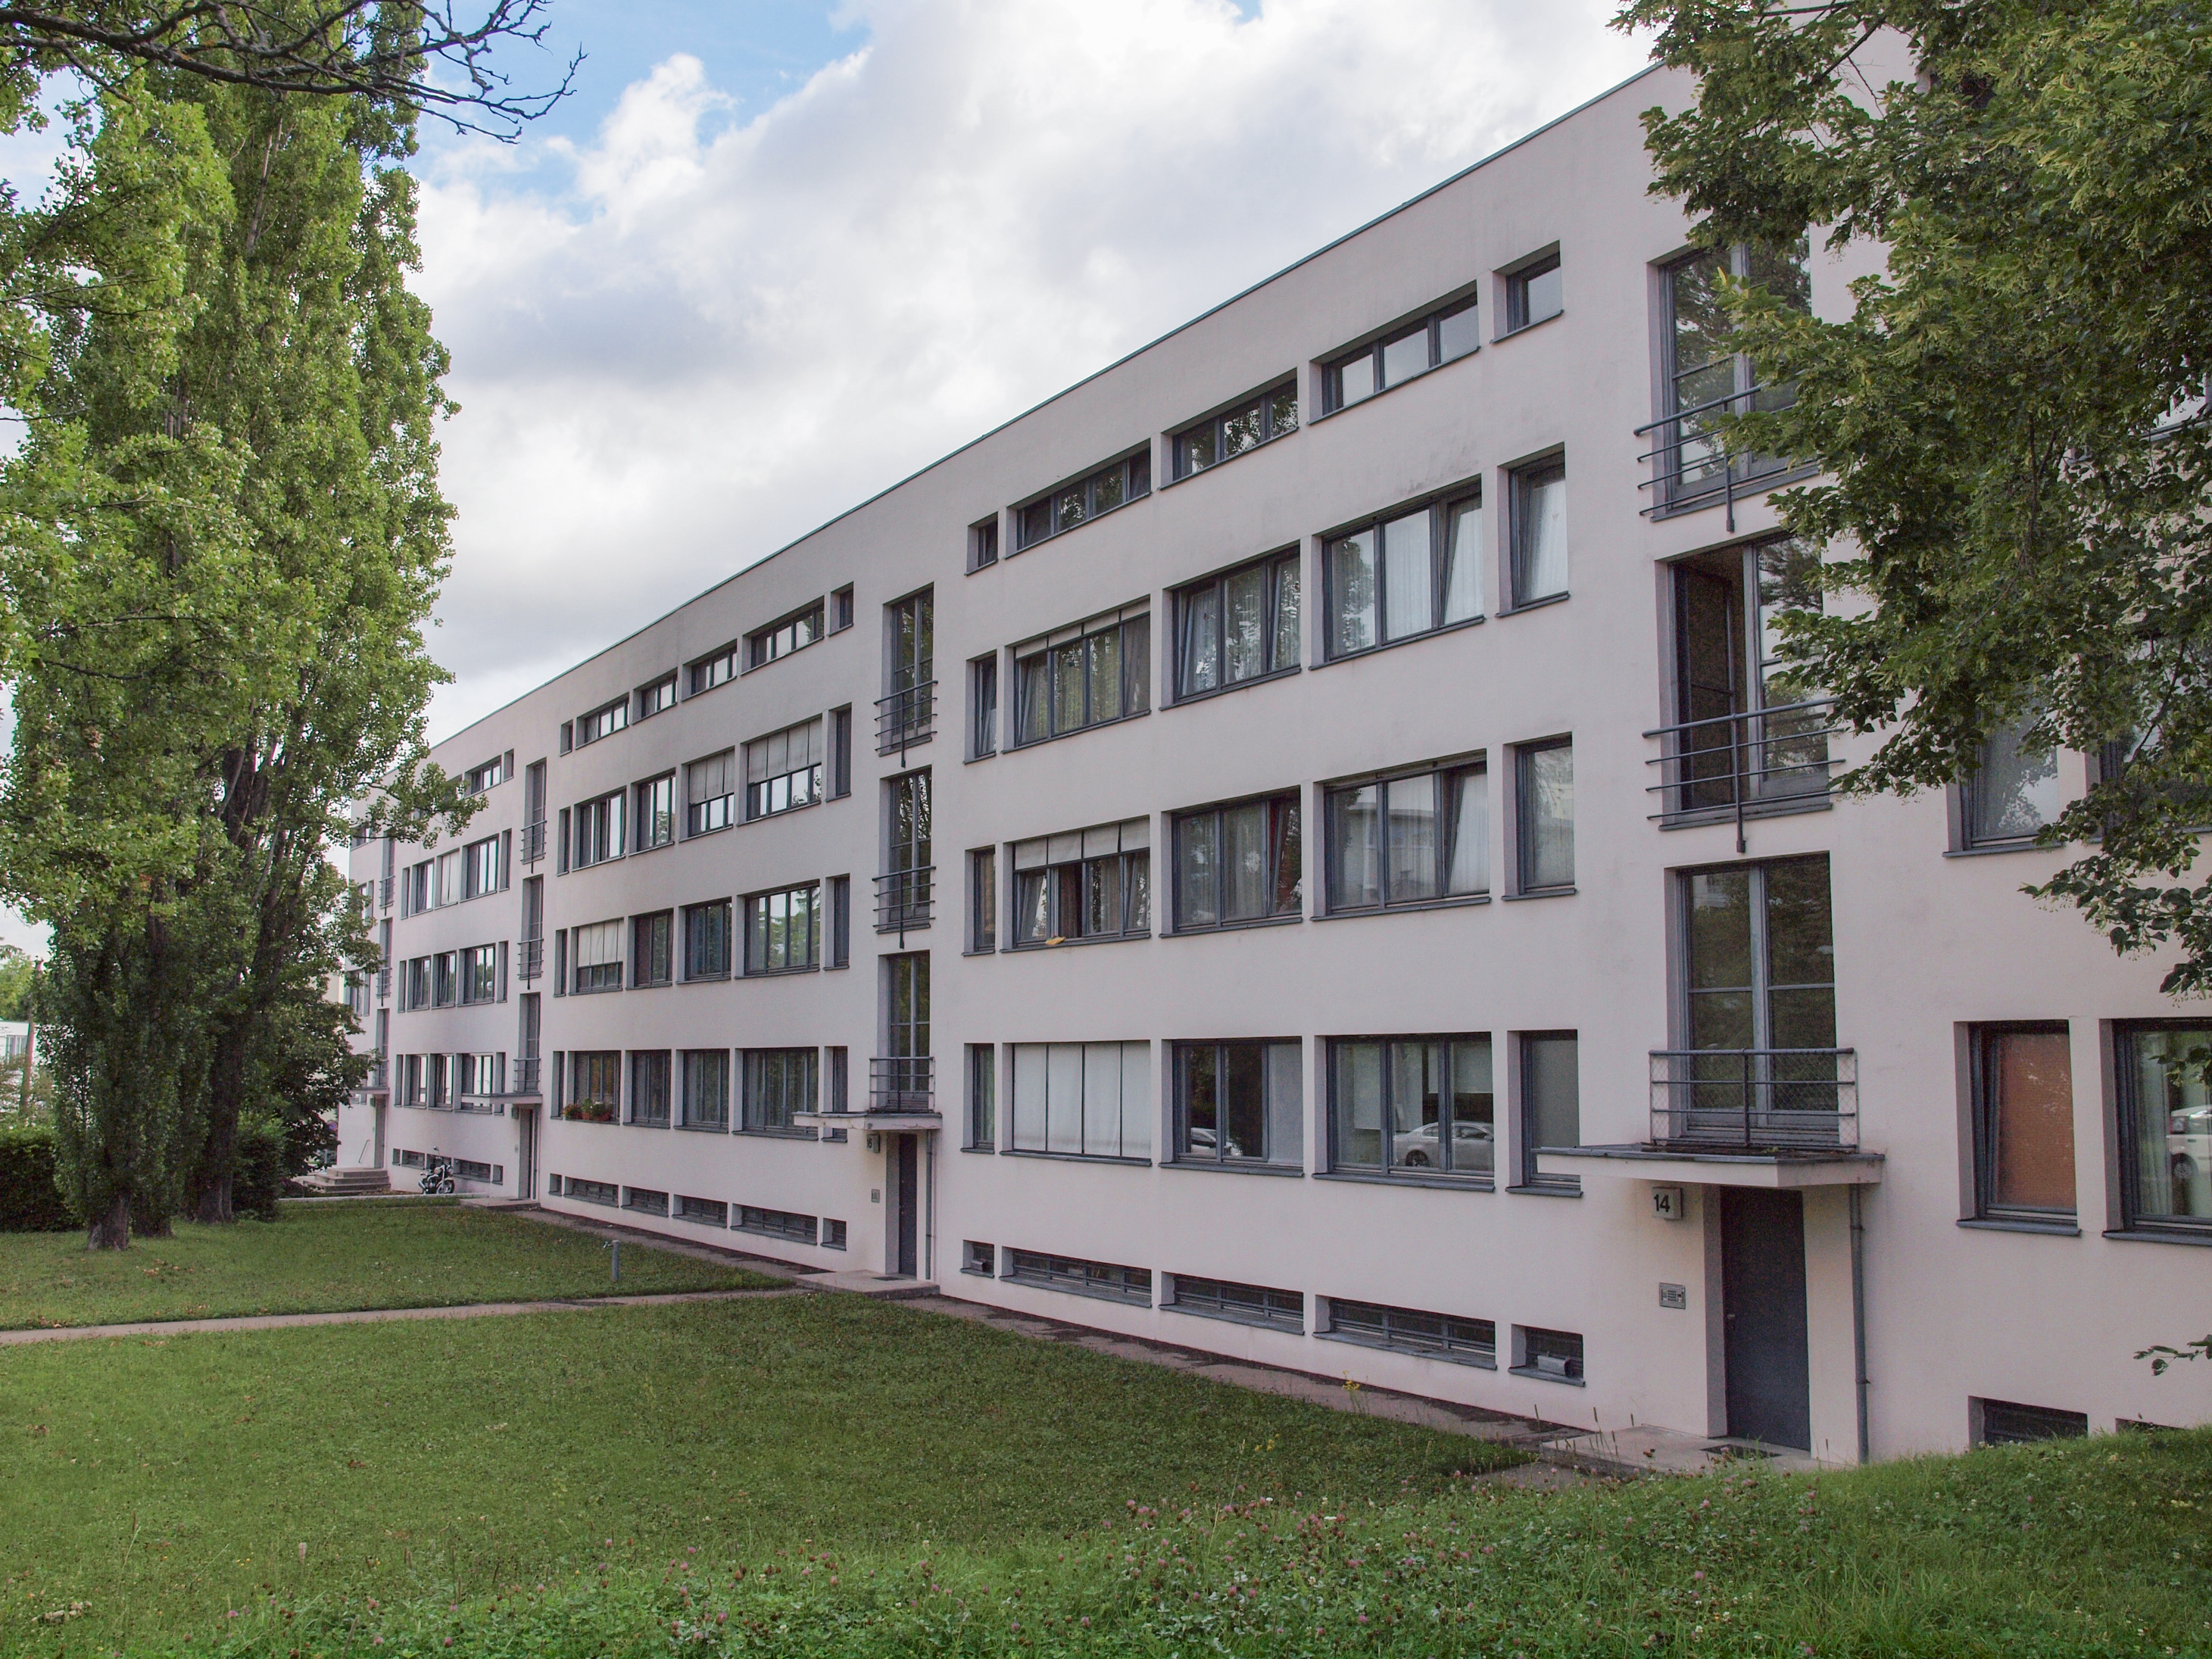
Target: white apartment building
[1297, 847]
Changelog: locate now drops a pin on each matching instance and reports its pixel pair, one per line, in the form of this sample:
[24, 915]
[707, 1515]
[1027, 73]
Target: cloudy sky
[775, 255]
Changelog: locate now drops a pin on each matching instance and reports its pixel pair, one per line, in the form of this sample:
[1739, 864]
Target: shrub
[258, 1178]
[31, 1199]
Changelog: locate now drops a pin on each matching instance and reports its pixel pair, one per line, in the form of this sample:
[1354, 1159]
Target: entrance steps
[882, 1286]
[356, 1182]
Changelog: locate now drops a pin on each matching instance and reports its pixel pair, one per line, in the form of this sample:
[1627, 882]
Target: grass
[162, 1482]
[325, 1255]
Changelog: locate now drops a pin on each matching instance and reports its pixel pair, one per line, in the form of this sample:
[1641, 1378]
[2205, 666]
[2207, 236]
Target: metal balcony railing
[529, 959]
[906, 719]
[378, 1073]
[533, 841]
[903, 900]
[383, 984]
[1762, 760]
[384, 894]
[903, 1083]
[1692, 465]
[1773, 1100]
[525, 1075]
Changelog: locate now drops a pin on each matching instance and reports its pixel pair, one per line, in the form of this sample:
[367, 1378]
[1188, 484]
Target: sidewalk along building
[1299, 847]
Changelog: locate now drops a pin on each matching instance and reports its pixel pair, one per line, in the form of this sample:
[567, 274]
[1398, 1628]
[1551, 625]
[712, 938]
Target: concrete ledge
[1778, 1171]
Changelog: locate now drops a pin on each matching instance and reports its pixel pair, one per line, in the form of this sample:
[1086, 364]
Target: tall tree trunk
[112, 1230]
[219, 1158]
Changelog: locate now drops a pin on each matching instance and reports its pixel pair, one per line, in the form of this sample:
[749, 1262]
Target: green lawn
[326, 1254]
[163, 1481]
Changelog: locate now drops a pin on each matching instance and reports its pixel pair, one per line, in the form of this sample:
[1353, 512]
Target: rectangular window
[783, 770]
[479, 966]
[1417, 1106]
[593, 1192]
[648, 1089]
[655, 818]
[595, 1085]
[706, 1088]
[779, 1084]
[786, 1225]
[598, 957]
[837, 1083]
[983, 707]
[981, 1260]
[1540, 532]
[1091, 674]
[1533, 293]
[841, 608]
[1238, 627]
[841, 921]
[2006, 1423]
[833, 1232]
[2013, 792]
[1116, 485]
[1748, 720]
[706, 940]
[1450, 332]
[1272, 414]
[1706, 381]
[1086, 884]
[1248, 1304]
[603, 722]
[983, 899]
[710, 788]
[840, 752]
[652, 948]
[1550, 1102]
[1242, 862]
[1084, 1099]
[655, 696]
[438, 1074]
[1408, 574]
[414, 894]
[1414, 838]
[480, 1077]
[599, 830]
[1544, 786]
[1441, 1336]
[904, 891]
[780, 639]
[711, 670]
[2024, 1122]
[706, 1212]
[2166, 1127]
[482, 868]
[1555, 1355]
[449, 878]
[446, 978]
[983, 1097]
[489, 776]
[1064, 1272]
[983, 543]
[1239, 1103]
[906, 712]
[783, 930]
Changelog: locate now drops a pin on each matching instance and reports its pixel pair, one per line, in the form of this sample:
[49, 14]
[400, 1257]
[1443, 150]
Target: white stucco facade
[1942, 1299]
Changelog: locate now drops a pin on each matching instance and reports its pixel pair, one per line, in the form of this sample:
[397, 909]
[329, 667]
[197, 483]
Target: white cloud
[721, 334]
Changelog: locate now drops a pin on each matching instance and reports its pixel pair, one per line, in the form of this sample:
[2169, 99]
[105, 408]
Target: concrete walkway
[377, 1316]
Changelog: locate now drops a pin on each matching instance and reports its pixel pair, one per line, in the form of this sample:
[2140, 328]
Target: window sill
[784, 656]
[1022, 547]
[1367, 651]
[1202, 472]
[1548, 1189]
[977, 760]
[578, 869]
[640, 852]
[779, 1135]
[1461, 902]
[1374, 397]
[788, 812]
[1527, 328]
[1235, 1166]
[1073, 1290]
[782, 973]
[645, 1123]
[985, 1151]
[1540, 603]
[701, 835]
[1446, 1356]
[1077, 1158]
[1257, 1321]
[981, 950]
[1999, 1224]
[704, 1129]
[1548, 1377]
[595, 990]
[1244, 927]
[1997, 848]
[653, 985]
[1071, 944]
[2140, 1235]
[596, 1122]
[1062, 737]
[705, 979]
[1568, 891]
[1190, 697]
[1455, 1183]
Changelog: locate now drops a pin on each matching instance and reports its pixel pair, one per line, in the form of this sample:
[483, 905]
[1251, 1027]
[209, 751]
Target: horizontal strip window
[1239, 1103]
[598, 830]
[645, 1200]
[603, 722]
[1224, 1298]
[1239, 863]
[1408, 574]
[468, 1169]
[775, 1224]
[783, 770]
[1557, 1355]
[597, 953]
[592, 1192]
[1273, 414]
[1416, 1105]
[656, 695]
[1091, 674]
[783, 930]
[1084, 884]
[1408, 839]
[711, 670]
[1452, 331]
[1471, 1341]
[595, 1085]
[1067, 1273]
[781, 638]
[1052, 514]
[1237, 627]
[1084, 1099]
[706, 1212]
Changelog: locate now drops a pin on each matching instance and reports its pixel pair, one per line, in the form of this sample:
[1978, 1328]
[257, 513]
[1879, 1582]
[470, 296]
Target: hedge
[30, 1198]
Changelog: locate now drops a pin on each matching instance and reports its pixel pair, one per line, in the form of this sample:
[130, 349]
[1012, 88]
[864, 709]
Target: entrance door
[525, 1172]
[1762, 1301]
[376, 1118]
[907, 1158]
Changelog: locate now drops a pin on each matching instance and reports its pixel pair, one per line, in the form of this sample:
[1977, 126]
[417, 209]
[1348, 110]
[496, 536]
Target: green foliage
[2011, 420]
[30, 1189]
[18, 977]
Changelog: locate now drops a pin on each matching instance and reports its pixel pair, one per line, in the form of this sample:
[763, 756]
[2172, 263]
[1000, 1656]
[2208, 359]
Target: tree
[18, 979]
[2011, 424]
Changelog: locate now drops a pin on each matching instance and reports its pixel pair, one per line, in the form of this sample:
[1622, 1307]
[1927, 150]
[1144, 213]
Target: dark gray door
[909, 1205]
[1763, 1303]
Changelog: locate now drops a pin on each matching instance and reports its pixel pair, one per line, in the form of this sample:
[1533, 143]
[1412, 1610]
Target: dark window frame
[1179, 1080]
[651, 949]
[1446, 816]
[1521, 481]
[983, 706]
[656, 696]
[1428, 324]
[1135, 897]
[982, 1115]
[1525, 796]
[1386, 1167]
[1184, 612]
[604, 715]
[1525, 1105]
[1517, 276]
[2131, 1219]
[651, 1101]
[1442, 510]
[983, 544]
[1455, 1337]
[1180, 823]
[695, 945]
[1107, 1280]
[982, 900]
[765, 644]
[1211, 435]
[1986, 1106]
[718, 667]
[644, 816]
[1131, 471]
[812, 962]
[1134, 624]
[765, 1116]
[1241, 1304]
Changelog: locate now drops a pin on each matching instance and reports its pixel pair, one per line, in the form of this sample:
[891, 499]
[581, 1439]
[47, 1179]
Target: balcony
[906, 719]
[1693, 467]
[903, 900]
[904, 1084]
[384, 893]
[1755, 764]
[533, 841]
[525, 1077]
[529, 959]
[384, 985]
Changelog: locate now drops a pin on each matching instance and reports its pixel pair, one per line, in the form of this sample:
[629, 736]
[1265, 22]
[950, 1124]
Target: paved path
[373, 1316]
